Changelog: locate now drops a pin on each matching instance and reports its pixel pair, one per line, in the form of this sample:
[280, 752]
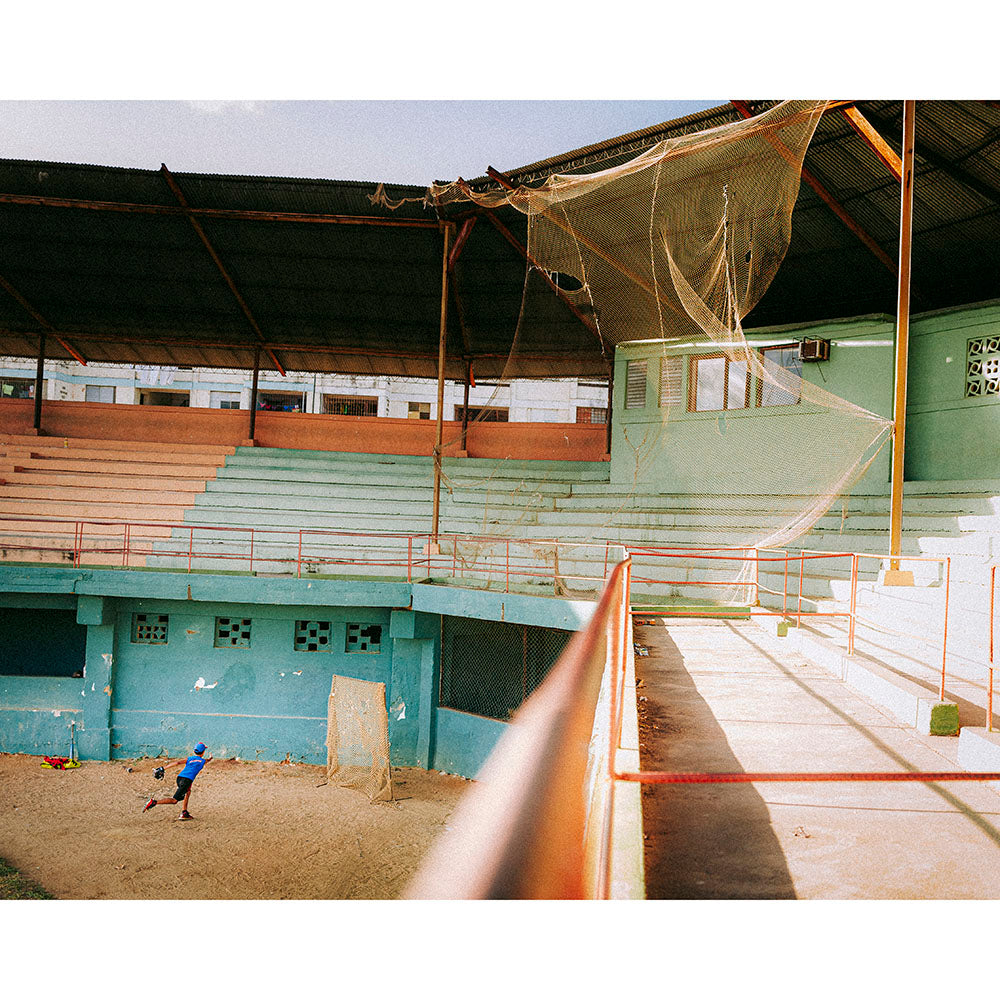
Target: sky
[406, 142]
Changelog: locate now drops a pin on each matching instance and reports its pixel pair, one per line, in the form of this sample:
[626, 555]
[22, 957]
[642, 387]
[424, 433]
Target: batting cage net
[672, 250]
[357, 738]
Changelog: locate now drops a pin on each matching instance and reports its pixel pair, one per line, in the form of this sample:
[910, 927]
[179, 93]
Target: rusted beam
[39, 378]
[463, 235]
[878, 145]
[845, 217]
[39, 318]
[252, 429]
[564, 298]
[240, 215]
[442, 346]
[222, 269]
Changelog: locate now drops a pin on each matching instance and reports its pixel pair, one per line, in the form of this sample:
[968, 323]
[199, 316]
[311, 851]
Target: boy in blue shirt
[191, 768]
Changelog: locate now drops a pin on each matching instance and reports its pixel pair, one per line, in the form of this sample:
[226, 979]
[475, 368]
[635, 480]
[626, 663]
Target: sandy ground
[261, 831]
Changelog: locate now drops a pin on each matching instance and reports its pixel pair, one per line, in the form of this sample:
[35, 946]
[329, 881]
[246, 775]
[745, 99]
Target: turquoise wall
[268, 702]
[948, 436]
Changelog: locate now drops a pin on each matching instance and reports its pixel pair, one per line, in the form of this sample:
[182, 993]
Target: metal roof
[336, 280]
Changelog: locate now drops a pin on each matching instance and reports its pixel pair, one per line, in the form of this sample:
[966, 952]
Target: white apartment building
[522, 400]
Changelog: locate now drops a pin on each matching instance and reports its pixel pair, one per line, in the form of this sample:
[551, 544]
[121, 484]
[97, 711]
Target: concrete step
[72, 510]
[99, 444]
[125, 467]
[98, 494]
[160, 455]
[88, 480]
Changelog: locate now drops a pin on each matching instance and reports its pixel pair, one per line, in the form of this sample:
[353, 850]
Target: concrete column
[416, 654]
[94, 739]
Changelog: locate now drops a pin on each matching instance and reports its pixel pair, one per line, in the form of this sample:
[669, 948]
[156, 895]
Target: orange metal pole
[902, 335]
[442, 341]
[802, 566]
[989, 693]
[854, 604]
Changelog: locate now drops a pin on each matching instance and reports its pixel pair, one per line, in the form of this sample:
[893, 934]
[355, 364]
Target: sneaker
[149, 804]
[185, 815]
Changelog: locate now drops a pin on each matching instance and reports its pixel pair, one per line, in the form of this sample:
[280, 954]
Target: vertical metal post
[989, 693]
[39, 377]
[784, 599]
[802, 568]
[442, 340]
[465, 409]
[253, 394]
[409, 559]
[298, 559]
[507, 571]
[944, 637]
[190, 547]
[611, 399]
[854, 604]
[902, 335]
[251, 551]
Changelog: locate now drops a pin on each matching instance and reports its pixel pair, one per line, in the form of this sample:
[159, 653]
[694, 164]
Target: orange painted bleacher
[49, 486]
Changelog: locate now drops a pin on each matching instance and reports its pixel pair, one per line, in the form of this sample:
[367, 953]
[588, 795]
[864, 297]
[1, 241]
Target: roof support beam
[222, 270]
[845, 217]
[879, 146]
[39, 318]
[248, 215]
[39, 379]
[563, 297]
[439, 430]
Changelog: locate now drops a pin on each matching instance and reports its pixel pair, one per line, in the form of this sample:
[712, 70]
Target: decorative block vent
[150, 629]
[982, 367]
[313, 637]
[232, 633]
[363, 638]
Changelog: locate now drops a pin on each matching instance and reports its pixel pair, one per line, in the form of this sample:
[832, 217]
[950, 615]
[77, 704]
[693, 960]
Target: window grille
[418, 411]
[982, 367]
[232, 633]
[635, 385]
[492, 414]
[150, 629]
[363, 638]
[591, 415]
[351, 406]
[313, 637]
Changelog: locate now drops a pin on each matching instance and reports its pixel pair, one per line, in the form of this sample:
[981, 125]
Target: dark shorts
[183, 787]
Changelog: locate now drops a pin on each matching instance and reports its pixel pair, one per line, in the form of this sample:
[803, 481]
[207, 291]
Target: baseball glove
[158, 774]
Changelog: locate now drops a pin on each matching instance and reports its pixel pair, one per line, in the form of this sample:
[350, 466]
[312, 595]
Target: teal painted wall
[733, 450]
[267, 702]
[947, 435]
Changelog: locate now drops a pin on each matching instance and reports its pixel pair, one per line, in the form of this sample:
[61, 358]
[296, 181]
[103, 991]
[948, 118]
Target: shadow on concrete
[702, 841]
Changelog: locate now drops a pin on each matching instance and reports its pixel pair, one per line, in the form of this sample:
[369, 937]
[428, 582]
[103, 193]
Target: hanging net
[357, 738]
[672, 250]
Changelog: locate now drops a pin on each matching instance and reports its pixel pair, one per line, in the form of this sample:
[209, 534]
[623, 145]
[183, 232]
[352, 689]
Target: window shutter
[671, 380]
[635, 385]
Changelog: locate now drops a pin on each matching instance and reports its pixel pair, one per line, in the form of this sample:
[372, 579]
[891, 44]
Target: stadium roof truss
[150, 267]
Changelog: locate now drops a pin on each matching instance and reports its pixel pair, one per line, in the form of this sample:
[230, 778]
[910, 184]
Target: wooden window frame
[759, 395]
[692, 398]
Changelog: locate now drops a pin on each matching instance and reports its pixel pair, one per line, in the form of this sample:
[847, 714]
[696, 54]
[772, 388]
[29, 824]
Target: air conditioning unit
[814, 350]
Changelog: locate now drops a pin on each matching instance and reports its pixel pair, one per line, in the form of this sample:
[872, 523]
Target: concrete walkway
[725, 696]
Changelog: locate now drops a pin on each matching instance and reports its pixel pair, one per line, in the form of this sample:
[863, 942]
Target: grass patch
[14, 885]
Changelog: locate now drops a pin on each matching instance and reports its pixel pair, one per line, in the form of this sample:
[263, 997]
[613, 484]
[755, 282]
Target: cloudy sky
[412, 142]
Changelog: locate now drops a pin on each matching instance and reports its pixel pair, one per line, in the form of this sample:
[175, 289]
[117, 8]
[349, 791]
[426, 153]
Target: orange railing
[989, 688]
[540, 821]
[471, 559]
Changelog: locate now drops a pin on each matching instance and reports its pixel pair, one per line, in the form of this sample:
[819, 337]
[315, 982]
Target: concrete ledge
[906, 700]
[979, 750]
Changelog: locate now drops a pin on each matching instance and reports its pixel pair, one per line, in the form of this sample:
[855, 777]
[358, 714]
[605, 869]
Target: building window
[491, 414]
[784, 358]
[313, 637]
[18, 388]
[982, 367]
[99, 394]
[591, 414]
[351, 406]
[41, 642]
[418, 411]
[232, 633]
[287, 402]
[635, 385]
[718, 383]
[363, 638]
[150, 629]
[164, 399]
[490, 668]
[224, 400]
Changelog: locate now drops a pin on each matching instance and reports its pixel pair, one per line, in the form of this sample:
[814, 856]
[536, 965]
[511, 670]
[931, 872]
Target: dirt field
[261, 831]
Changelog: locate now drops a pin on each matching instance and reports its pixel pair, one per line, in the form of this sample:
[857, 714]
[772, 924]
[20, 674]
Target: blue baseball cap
[199, 748]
